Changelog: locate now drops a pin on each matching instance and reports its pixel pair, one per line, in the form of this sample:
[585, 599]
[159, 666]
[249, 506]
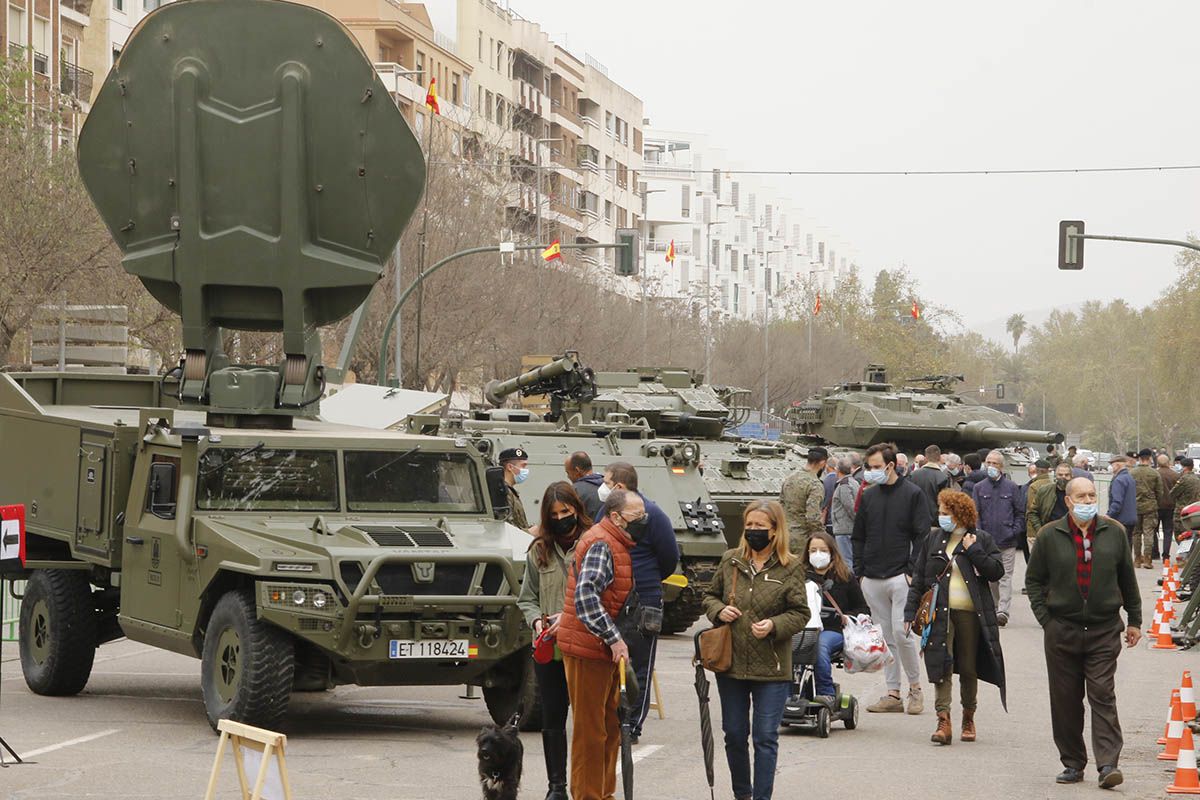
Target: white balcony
[591, 123]
[568, 119]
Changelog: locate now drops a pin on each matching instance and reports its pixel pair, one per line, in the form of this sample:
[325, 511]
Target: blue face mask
[522, 475]
[993, 473]
[947, 523]
[875, 476]
[1084, 512]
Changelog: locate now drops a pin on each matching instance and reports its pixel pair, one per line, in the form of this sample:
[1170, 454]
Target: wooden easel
[267, 743]
[656, 702]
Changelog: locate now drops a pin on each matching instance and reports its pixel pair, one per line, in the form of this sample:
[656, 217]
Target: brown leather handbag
[714, 647]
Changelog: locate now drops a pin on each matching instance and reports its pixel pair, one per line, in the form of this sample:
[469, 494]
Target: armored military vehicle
[672, 427]
[667, 465]
[859, 414]
[256, 174]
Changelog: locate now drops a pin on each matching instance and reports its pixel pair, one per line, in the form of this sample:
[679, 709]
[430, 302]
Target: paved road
[138, 730]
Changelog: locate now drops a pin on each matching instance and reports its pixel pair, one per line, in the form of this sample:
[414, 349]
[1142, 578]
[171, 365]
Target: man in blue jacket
[1002, 514]
[654, 558]
[586, 483]
[1122, 496]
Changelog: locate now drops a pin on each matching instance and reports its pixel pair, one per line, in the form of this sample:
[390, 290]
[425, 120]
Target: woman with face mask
[829, 571]
[759, 590]
[964, 636]
[563, 521]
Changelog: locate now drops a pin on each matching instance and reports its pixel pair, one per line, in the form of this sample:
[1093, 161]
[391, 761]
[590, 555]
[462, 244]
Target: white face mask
[603, 491]
[819, 559]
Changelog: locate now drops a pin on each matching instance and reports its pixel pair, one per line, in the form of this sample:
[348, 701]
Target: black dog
[500, 754]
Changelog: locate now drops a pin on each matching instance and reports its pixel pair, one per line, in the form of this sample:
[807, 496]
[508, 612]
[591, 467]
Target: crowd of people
[927, 549]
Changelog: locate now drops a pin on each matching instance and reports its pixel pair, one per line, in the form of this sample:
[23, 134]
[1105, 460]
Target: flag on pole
[553, 251]
[671, 252]
[431, 101]
[916, 310]
[817, 306]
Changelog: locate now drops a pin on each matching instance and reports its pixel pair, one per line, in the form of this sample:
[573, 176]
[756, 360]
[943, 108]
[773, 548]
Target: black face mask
[1061, 483]
[563, 526]
[637, 529]
[757, 538]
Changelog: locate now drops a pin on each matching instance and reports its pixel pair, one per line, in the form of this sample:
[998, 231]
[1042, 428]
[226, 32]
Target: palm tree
[1016, 326]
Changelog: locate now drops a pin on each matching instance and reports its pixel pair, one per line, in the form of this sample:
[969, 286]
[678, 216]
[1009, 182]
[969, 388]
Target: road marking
[641, 753]
[68, 743]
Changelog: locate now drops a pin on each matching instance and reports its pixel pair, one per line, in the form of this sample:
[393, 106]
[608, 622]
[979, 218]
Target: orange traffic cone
[1170, 710]
[1187, 780]
[1175, 731]
[1158, 612]
[1187, 698]
[1163, 637]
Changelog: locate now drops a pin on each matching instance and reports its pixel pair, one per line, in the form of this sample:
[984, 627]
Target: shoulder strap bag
[714, 647]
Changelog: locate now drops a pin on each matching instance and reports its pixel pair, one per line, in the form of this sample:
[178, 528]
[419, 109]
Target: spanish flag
[817, 306]
[916, 310]
[431, 101]
[671, 252]
[552, 252]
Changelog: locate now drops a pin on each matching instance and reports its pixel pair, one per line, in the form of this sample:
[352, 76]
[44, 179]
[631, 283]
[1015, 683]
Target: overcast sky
[937, 85]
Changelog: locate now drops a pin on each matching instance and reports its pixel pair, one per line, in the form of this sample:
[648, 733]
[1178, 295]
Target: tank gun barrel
[562, 376]
[982, 433]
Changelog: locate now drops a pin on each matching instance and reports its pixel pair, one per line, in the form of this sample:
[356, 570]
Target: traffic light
[1070, 247]
[627, 252]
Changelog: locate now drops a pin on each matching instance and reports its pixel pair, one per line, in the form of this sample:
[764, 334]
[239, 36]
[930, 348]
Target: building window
[41, 45]
[116, 54]
[608, 123]
[608, 210]
[150, 5]
[119, 5]
[686, 201]
[480, 48]
[16, 26]
[454, 88]
[420, 68]
[499, 56]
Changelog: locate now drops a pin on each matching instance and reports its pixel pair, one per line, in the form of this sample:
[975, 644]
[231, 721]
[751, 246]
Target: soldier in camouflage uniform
[1150, 492]
[516, 469]
[1185, 492]
[802, 496]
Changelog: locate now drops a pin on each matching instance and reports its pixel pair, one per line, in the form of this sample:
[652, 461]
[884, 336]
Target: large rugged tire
[247, 666]
[518, 696]
[682, 612]
[58, 632]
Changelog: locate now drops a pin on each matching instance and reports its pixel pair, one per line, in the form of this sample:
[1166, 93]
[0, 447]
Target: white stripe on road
[68, 743]
[641, 753]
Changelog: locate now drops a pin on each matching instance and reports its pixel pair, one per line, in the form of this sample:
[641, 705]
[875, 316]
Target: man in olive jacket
[1150, 492]
[1080, 574]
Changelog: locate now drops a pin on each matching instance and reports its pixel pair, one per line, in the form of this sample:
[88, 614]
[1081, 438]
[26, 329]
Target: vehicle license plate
[430, 648]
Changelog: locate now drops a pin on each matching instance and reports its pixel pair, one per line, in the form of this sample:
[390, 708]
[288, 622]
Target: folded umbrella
[706, 734]
[626, 713]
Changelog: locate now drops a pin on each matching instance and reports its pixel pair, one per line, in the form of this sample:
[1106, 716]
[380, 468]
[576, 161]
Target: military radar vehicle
[256, 174]
[862, 413]
[667, 465]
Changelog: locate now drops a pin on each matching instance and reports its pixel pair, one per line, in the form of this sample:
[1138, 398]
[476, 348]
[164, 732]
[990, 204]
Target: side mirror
[497, 492]
[161, 500]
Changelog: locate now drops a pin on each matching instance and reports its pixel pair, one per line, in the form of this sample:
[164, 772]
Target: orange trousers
[596, 733]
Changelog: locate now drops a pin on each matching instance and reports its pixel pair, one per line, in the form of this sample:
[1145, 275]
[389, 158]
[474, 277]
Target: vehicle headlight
[319, 600]
[298, 597]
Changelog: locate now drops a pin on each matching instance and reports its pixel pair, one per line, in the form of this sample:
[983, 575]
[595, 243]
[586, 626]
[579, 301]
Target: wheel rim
[38, 637]
[227, 671]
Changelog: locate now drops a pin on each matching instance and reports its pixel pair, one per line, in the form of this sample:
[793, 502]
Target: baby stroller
[802, 709]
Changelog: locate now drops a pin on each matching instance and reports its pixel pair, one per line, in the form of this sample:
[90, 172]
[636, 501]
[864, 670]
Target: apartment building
[47, 36]
[738, 240]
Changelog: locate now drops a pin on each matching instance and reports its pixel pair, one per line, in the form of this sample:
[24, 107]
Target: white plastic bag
[864, 648]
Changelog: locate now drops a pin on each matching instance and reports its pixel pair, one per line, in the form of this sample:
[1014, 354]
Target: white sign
[10, 539]
[508, 247]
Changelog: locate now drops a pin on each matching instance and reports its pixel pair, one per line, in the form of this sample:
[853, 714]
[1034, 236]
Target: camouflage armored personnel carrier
[862, 413]
[667, 466]
[211, 513]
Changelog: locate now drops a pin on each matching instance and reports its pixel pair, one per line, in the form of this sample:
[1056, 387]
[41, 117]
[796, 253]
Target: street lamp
[396, 277]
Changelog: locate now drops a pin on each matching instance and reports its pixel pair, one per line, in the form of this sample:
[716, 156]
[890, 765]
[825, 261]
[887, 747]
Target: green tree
[1016, 326]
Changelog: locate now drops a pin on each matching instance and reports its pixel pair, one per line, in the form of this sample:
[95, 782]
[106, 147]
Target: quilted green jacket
[777, 593]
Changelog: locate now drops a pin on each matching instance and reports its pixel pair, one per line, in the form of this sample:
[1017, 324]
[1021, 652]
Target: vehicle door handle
[135, 540]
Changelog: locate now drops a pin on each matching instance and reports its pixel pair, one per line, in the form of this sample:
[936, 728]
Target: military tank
[859, 414]
[668, 466]
[665, 421]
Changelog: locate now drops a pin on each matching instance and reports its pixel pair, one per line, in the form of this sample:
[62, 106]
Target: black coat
[891, 522]
[980, 566]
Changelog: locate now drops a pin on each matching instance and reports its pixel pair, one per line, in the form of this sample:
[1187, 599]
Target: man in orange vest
[600, 581]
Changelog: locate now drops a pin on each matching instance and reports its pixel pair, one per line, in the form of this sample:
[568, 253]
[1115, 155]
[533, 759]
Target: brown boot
[968, 728]
[944, 733]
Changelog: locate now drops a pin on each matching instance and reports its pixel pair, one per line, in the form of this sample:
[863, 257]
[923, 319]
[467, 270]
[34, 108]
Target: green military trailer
[256, 175]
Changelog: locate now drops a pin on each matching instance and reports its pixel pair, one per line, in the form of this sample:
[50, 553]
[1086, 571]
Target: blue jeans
[846, 549]
[768, 699]
[830, 643]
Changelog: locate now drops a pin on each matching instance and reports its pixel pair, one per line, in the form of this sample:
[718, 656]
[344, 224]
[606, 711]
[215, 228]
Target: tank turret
[860, 414]
[253, 183]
